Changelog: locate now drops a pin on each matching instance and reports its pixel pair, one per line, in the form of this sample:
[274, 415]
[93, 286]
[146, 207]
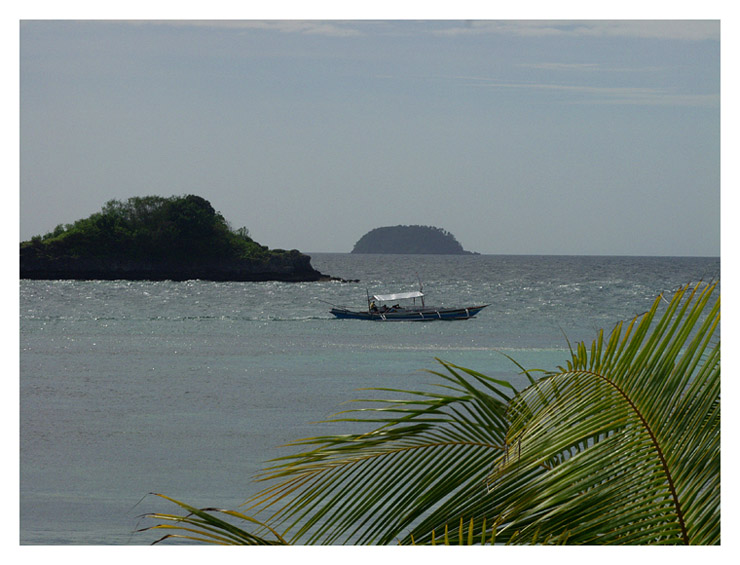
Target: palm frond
[631, 433]
[428, 451]
[204, 526]
[463, 538]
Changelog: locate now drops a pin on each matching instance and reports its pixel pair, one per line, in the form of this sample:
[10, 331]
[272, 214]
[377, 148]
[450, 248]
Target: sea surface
[188, 388]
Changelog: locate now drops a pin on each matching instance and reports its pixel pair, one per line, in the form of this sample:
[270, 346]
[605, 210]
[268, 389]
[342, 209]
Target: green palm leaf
[203, 525]
[371, 487]
[629, 436]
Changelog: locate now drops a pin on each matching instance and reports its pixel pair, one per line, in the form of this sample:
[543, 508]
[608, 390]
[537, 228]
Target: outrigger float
[378, 309]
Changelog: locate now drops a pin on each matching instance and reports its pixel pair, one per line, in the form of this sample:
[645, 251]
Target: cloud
[562, 66]
[301, 27]
[580, 93]
[584, 94]
[688, 30]
[590, 67]
[310, 27]
[621, 94]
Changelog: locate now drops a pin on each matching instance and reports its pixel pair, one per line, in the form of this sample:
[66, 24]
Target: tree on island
[409, 240]
[157, 238]
[151, 227]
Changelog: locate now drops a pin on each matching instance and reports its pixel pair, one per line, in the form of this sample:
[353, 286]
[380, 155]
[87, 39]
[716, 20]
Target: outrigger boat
[377, 309]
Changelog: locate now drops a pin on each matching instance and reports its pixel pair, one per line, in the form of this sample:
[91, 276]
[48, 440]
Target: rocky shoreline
[291, 267]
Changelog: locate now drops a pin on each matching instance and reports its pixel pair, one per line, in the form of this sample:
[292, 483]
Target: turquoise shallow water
[187, 388]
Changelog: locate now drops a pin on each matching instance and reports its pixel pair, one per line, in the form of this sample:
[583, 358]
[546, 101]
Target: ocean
[188, 388]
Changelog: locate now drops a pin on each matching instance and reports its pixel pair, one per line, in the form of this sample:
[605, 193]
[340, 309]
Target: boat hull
[410, 314]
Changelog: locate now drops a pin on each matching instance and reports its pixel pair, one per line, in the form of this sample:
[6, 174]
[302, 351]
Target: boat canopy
[397, 296]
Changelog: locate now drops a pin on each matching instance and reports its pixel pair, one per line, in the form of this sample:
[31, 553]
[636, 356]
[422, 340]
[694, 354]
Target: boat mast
[421, 289]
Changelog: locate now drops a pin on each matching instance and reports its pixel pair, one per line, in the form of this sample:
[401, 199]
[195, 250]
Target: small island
[156, 238]
[410, 240]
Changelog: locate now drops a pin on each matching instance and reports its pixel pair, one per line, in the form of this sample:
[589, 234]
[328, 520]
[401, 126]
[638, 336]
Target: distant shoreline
[414, 239]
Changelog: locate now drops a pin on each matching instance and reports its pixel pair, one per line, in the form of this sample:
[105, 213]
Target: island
[156, 238]
[410, 240]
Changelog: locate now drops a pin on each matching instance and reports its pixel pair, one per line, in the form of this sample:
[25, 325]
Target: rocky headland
[155, 238]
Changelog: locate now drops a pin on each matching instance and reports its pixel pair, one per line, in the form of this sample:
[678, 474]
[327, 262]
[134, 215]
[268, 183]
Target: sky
[574, 137]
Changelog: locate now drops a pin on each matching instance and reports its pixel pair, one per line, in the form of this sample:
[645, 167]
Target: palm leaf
[203, 525]
[428, 451]
[631, 434]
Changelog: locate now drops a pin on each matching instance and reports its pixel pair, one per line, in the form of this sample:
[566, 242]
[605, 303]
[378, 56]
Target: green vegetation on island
[153, 237]
[409, 240]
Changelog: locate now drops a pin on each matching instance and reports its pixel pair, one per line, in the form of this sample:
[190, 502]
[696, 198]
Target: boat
[378, 309]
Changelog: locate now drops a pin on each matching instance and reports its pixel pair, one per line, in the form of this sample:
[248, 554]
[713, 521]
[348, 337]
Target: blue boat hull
[410, 314]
